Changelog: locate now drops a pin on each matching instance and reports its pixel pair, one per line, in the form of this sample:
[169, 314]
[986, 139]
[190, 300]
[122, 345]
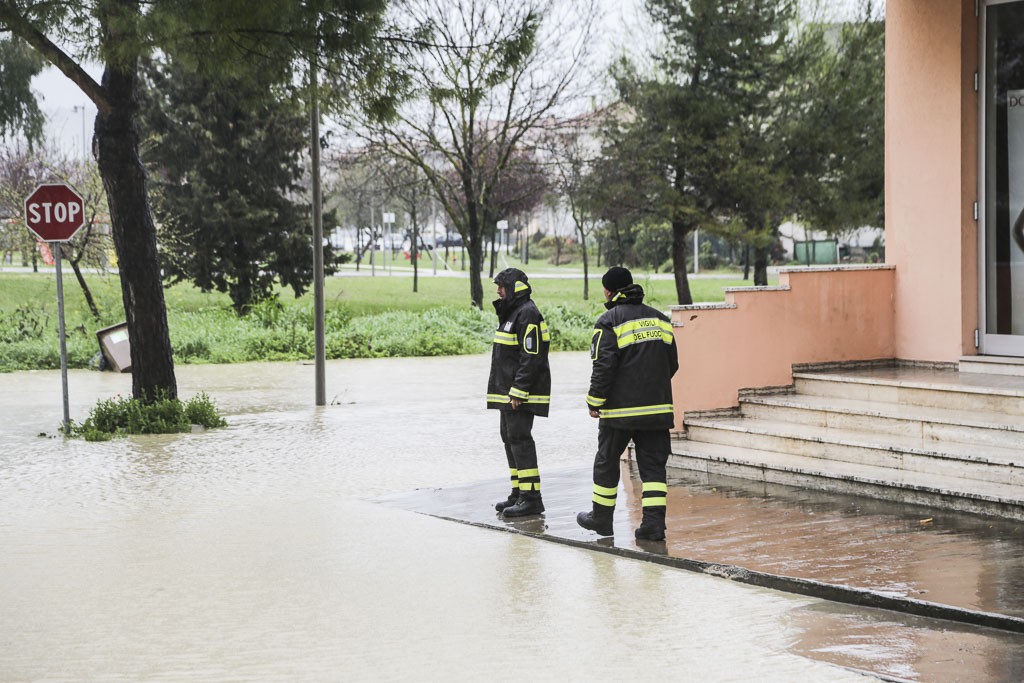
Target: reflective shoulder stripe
[643, 330]
[544, 334]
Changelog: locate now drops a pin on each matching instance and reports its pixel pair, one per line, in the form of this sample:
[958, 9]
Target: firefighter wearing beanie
[633, 351]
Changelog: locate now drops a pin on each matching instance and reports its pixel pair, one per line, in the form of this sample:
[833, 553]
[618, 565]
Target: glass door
[1002, 207]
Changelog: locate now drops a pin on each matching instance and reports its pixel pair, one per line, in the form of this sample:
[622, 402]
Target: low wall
[814, 315]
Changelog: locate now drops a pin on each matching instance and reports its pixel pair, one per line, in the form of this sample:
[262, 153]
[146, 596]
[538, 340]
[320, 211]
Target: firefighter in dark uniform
[520, 387]
[634, 357]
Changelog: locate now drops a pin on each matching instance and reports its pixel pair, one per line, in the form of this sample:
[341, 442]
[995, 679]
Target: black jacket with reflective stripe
[519, 356]
[633, 350]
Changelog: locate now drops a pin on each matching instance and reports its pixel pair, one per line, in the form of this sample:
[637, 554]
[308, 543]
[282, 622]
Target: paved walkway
[954, 578]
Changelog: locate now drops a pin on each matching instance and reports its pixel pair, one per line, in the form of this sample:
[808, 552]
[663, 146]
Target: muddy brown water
[255, 552]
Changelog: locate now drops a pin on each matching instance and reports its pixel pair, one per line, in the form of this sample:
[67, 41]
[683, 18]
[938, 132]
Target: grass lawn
[359, 295]
[366, 317]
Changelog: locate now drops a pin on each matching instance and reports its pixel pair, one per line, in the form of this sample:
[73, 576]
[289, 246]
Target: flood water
[256, 552]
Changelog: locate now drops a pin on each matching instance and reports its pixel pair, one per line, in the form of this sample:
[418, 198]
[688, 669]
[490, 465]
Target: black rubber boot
[598, 520]
[512, 499]
[529, 503]
[652, 528]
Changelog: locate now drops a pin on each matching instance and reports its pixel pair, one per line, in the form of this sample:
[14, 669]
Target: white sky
[622, 29]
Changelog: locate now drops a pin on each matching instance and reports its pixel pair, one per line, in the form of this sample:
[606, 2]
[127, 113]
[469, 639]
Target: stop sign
[54, 212]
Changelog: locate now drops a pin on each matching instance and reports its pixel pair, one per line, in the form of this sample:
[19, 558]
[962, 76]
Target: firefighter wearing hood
[519, 387]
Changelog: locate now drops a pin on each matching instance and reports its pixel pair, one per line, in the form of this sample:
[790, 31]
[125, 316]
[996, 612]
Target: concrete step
[922, 488]
[947, 389]
[992, 365]
[929, 425]
[898, 453]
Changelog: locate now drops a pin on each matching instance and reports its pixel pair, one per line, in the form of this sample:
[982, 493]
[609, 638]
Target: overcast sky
[621, 29]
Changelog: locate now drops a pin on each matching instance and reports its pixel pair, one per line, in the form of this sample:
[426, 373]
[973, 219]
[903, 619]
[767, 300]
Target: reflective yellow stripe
[538, 398]
[605, 491]
[618, 295]
[497, 398]
[601, 500]
[529, 473]
[515, 474]
[544, 335]
[595, 343]
[522, 286]
[637, 411]
[594, 401]
[518, 393]
[505, 338]
[655, 486]
[648, 502]
[644, 330]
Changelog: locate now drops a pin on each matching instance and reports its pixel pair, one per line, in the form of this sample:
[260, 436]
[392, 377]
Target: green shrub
[121, 416]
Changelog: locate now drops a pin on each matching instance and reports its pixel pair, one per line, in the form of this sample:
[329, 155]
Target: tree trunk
[494, 256]
[761, 267]
[680, 232]
[134, 234]
[476, 257]
[586, 266]
[413, 248]
[746, 261]
[86, 292]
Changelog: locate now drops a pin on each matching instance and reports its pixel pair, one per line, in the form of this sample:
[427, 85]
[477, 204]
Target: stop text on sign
[49, 212]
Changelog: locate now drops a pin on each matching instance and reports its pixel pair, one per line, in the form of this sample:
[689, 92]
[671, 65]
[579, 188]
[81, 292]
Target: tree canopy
[226, 158]
[220, 38]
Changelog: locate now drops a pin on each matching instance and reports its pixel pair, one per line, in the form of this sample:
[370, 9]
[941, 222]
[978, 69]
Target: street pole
[81, 108]
[55, 247]
[373, 244]
[318, 240]
[696, 253]
[433, 228]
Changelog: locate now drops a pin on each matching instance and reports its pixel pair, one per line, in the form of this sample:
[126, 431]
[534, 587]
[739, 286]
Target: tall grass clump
[122, 416]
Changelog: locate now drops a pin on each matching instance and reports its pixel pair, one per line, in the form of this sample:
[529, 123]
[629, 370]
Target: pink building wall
[923, 305]
[815, 315]
[931, 54]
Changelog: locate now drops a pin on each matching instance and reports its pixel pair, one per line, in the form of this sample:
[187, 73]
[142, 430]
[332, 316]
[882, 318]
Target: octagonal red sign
[54, 212]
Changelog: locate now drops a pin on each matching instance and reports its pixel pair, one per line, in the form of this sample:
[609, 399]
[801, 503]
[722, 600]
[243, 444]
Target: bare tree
[489, 75]
[574, 148]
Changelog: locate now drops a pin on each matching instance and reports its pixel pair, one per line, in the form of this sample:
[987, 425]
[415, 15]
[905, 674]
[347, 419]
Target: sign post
[54, 213]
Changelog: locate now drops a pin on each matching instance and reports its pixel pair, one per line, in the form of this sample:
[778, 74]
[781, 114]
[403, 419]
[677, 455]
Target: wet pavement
[931, 577]
[286, 547]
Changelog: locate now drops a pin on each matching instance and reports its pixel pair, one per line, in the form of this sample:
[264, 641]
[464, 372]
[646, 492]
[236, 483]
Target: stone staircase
[945, 436]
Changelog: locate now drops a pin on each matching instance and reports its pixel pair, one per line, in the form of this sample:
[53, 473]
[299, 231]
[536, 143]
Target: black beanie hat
[616, 278]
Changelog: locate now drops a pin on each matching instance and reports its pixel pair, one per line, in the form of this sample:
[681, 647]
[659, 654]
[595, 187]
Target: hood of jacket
[630, 294]
[517, 290]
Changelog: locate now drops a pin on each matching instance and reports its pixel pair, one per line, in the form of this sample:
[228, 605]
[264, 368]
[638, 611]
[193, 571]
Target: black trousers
[517, 434]
[652, 450]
